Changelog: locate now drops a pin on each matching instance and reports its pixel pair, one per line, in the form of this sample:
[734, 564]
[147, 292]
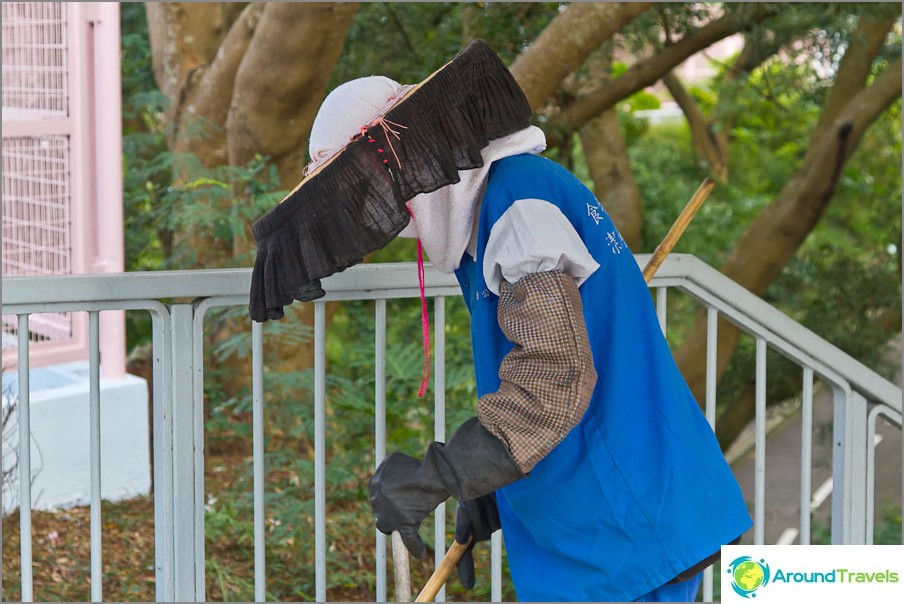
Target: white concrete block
[60, 455]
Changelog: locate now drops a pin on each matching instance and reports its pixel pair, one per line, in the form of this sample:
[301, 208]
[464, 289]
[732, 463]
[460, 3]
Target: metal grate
[36, 202]
[36, 220]
[35, 58]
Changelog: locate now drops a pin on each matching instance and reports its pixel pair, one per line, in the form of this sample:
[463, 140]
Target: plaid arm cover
[548, 377]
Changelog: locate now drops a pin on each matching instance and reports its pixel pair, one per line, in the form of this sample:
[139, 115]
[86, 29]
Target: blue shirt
[639, 491]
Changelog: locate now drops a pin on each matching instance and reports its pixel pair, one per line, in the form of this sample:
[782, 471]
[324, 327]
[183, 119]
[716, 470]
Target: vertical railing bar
[198, 447]
[24, 463]
[182, 376]
[662, 306]
[178, 391]
[163, 458]
[870, 476]
[806, 454]
[95, 525]
[2, 515]
[712, 340]
[872, 431]
[439, 423]
[320, 450]
[380, 427]
[840, 497]
[759, 488]
[496, 567]
[257, 443]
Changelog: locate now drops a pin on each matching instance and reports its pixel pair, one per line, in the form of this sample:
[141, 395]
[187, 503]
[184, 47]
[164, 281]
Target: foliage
[405, 42]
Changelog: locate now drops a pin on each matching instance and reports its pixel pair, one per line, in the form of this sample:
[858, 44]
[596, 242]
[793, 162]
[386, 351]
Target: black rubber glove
[403, 490]
[477, 519]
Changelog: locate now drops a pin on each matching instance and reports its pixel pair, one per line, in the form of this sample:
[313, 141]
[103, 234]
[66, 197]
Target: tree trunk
[245, 79]
[787, 221]
[246, 87]
[185, 38]
[613, 181]
[241, 84]
[281, 82]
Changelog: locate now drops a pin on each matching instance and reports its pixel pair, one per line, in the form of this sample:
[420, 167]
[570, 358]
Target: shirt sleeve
[533, 236]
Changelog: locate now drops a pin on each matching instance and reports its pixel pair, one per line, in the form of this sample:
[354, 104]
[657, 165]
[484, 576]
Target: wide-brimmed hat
[353, 203]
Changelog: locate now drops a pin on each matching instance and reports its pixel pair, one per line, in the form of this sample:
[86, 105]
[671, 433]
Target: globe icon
[748, 575]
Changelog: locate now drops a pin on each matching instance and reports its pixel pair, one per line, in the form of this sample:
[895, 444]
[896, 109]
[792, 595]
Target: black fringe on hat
[355, 204]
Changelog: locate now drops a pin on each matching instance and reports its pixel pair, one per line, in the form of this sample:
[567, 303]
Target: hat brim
[354, 203]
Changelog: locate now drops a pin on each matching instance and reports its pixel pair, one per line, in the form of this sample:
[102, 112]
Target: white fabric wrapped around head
[446, 219]
[346, 109]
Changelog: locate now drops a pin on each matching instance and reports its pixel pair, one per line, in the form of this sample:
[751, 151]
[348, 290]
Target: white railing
[860, 397]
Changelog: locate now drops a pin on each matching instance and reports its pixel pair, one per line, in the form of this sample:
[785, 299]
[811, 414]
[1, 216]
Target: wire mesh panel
[36, 202]
[36, 221]
[37, 195]
[35, 57]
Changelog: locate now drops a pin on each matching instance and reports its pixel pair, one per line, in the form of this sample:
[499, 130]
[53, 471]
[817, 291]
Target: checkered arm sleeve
[548, 377]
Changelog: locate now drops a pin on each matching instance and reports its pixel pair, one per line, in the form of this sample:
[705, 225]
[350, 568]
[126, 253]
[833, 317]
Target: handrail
[205, 283]
[369, 281]
[863, 379]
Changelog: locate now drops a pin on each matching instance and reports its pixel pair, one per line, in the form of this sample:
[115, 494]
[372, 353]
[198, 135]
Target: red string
[387, 130]
[425, 319]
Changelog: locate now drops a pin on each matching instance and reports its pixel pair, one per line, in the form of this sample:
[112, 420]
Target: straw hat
[353, 202]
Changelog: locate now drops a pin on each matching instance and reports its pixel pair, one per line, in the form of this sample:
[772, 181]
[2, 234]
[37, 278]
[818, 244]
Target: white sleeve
[533, 236]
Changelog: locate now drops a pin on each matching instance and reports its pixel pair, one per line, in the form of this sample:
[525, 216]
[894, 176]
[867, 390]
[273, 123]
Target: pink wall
[62, 109]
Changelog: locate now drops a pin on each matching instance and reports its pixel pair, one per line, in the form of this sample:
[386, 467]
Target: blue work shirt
[639, 491]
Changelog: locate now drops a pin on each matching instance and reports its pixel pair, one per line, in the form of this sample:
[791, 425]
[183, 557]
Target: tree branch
[870, 103]
[801, 203]
[232, 11]
[647, 72]
[541, 68]
[708, 146]
[713, 146]
[854, 68]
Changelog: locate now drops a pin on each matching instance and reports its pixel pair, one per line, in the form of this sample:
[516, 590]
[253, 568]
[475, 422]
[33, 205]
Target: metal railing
[860, 397]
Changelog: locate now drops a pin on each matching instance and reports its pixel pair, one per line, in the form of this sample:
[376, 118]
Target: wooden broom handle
[442, 572]
[671, 238]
